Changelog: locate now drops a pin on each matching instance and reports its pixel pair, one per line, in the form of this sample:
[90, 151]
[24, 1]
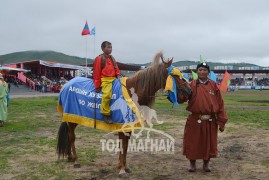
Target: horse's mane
[149, 80]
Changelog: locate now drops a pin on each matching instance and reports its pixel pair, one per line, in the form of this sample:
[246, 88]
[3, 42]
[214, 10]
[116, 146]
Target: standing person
[207, 116]
[105, 71]
[3, 100]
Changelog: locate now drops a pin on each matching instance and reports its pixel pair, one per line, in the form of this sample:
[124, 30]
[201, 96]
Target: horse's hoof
[76, 165]
[123, 175]
[128, 170]
[70, 159]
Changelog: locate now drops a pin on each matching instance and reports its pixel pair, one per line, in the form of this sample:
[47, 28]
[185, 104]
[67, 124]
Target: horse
[146, 83]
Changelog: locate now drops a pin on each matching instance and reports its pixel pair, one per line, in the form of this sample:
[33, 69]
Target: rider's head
[106, 47]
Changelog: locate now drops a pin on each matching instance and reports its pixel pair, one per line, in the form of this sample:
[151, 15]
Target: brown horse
[145, 83]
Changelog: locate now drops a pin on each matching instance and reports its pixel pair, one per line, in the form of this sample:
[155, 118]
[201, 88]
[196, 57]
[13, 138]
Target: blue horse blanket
[78, 99]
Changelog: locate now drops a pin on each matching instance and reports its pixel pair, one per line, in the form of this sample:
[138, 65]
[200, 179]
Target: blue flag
[93, 31]
[185, 75]
[213, 76]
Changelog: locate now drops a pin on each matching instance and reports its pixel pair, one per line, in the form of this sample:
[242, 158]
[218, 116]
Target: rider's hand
[98, 90]
[221, 129]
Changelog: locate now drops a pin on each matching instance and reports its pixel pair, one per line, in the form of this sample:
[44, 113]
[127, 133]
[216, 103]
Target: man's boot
[108, 120]
[192, 166]
[206, 166]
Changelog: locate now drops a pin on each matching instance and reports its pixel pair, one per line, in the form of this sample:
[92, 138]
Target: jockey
[105, 71]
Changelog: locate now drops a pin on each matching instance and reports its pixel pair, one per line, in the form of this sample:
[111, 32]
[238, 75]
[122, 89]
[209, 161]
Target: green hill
[213, 64]
[63, 58]
[41, 55]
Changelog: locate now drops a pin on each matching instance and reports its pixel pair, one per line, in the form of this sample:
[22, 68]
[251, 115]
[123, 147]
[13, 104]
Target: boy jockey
[105, 71]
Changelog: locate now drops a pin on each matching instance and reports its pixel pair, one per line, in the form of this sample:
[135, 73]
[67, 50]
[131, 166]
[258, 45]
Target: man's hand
[98, 90]
[118, 76]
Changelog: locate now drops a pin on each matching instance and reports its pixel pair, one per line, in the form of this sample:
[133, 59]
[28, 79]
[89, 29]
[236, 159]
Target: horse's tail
[63, 145]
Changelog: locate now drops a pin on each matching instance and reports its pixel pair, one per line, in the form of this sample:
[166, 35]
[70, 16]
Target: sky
[219, 30]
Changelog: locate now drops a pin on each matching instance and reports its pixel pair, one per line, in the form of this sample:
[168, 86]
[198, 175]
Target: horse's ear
[169, 62]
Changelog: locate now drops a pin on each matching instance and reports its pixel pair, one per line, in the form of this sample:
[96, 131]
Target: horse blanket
[79, 103]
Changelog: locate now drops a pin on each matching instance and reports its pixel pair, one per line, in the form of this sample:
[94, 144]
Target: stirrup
[108, 120]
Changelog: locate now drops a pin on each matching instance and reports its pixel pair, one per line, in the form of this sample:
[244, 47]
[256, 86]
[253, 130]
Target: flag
[85, 30]
[194, 75]
[201, 59]
[185, 75]
[224, 83]
[213, 76]
[93, 31]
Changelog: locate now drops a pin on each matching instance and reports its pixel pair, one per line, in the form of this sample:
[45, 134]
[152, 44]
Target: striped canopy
[13, 69]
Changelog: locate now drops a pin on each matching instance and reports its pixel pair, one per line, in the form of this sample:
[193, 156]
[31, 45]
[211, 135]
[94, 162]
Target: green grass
[247, 98]
[243, 107]
[164, 126]
[32, 130]
[265, 163]
[3, 162]
[251, 117]
[88, 155]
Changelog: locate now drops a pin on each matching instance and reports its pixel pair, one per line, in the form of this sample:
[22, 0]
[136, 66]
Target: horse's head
[182, 86]
[183, 89]
[148, 81]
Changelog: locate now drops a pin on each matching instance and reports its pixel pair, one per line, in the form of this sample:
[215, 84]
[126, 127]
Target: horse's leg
[72, 138]
[123, 153]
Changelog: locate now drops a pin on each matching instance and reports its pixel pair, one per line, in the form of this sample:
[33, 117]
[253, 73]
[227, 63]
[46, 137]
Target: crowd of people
[38, 82]
[257, 82]
[263, 82]
[241, 82]
[12, 79]
[45, 84]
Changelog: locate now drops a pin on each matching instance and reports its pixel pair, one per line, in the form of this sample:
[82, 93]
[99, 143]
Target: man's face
[107, 49]
[202, 73]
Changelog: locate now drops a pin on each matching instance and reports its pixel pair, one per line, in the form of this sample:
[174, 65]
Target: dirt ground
[243, 154]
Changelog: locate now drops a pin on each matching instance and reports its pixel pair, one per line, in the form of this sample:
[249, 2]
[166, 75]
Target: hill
[213, 64]
[41, 55]
[63, 58]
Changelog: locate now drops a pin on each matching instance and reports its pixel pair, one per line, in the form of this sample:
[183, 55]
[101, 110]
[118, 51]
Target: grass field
[28, 143]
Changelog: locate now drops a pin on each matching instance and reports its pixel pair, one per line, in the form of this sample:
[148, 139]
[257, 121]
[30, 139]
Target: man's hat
[203, 64]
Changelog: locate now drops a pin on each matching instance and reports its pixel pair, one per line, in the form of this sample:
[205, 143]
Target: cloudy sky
[219, 30]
